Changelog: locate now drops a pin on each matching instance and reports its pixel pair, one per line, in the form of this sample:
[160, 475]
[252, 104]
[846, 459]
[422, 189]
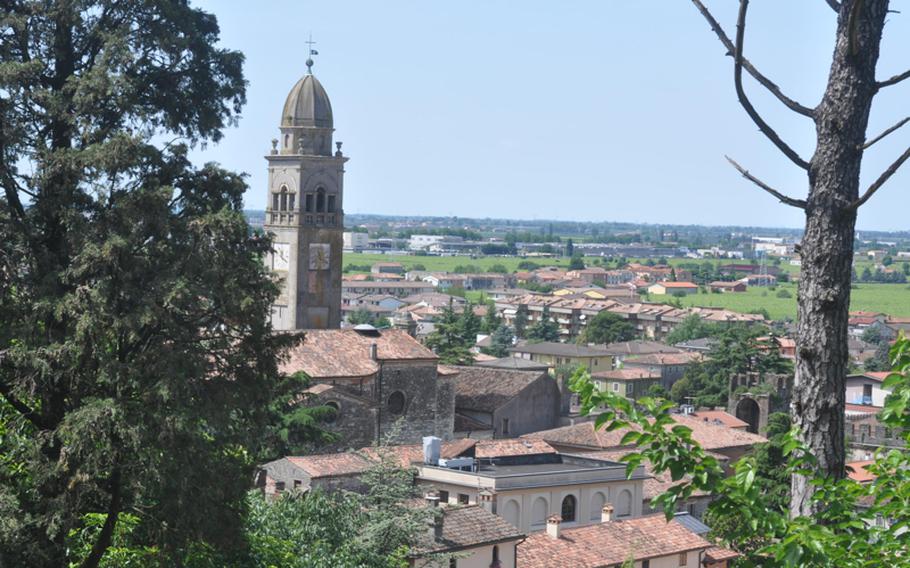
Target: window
[292, 201]
[396, 402]
[495, 555]
[615, 387]
[568, 509]
[505, 426]
[443, 496]
[463, 499]
[309, 203]
[683, 558]
[453, 563]
[279, 486]
[645, 564]
[331, 208]
[630, 388]
[284, 198]
[320, 200]
[297, 484]
[336, 409]
[275, 202]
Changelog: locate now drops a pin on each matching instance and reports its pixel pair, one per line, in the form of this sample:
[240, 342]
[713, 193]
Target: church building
[304, 211]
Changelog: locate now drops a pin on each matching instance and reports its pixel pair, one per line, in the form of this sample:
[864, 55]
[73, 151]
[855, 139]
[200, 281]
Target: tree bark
[827, 245]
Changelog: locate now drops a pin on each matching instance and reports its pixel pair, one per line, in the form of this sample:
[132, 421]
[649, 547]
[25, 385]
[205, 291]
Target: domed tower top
[307, 104]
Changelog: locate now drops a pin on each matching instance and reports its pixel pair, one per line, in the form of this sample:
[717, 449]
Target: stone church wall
[429, 402]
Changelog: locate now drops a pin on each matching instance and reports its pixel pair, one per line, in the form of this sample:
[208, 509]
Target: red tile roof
[678, 284]
[329, 465]
[343, 353]
[625, 375]
[709, 435]
[724, 418]
[857, 471]
[609, 544]
[511, 447]
[716, 554]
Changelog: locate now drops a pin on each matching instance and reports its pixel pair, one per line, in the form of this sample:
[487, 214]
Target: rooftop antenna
[309, 60]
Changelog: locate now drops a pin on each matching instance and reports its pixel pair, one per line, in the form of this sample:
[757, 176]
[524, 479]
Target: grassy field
[446, 263]
[891, 299]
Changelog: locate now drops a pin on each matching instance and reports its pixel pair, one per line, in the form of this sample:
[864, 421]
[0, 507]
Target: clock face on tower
[319, 256]
[281, 256]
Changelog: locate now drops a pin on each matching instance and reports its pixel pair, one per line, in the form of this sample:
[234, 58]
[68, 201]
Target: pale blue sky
[595, 110]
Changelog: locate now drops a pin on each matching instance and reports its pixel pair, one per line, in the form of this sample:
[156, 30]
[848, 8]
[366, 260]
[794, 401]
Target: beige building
[662, 288]
[555, 355]
[629, 383]
[526, 481]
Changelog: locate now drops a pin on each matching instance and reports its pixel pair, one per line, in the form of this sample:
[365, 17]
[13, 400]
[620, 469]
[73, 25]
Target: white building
[355, 242]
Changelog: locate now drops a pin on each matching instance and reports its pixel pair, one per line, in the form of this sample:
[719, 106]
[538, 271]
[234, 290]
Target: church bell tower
[304, 212]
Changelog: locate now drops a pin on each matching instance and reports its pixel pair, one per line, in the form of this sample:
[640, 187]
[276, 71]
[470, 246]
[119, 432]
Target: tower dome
[307, 105]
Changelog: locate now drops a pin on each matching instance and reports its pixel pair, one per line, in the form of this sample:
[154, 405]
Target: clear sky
[584, 110]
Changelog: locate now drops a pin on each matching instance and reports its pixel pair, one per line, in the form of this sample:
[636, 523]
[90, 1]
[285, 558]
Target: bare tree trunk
[827, 246]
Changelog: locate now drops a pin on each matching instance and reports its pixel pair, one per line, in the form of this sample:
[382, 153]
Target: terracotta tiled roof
[561, 349]
[340, 353]
[857, 471]
[511, 447]
[487, 388]
[640, 348]
[465, 423]
[469, 526]
[656, 483]
[717, 554]
[328, 465]
[709, 435]
[609, 544]
[684, 358]
[625, 375]
[724, 418]
[413, 453]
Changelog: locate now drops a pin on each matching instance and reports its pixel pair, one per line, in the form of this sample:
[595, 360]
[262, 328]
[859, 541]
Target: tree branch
[744, 100]
[885, 133]
[881, 180]
[25, 410]
[93, 560]
[799, 203]
[747, 65]
[835, 5]
[893, 80]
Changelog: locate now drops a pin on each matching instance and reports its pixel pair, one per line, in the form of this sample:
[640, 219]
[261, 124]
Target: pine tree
[545, 329]
[447, 339]
[521, 321]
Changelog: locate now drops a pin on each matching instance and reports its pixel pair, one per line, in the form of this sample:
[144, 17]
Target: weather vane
[309, 59]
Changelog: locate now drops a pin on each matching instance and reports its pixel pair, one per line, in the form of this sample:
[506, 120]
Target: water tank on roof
[431, 450]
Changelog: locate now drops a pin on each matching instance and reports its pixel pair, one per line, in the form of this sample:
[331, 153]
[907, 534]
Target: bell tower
[304, 211]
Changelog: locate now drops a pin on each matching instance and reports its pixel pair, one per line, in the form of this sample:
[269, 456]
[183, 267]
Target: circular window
[336, 410]
[396, 402]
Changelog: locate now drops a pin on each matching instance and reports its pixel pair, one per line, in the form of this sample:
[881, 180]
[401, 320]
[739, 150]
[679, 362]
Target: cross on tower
[311, 52]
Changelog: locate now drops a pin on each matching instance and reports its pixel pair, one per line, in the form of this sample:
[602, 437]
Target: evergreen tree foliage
[491, 320]
[607, 327]
[521, 321]
[500, 342]
[137, 357]
[545, 329]
[448, 339]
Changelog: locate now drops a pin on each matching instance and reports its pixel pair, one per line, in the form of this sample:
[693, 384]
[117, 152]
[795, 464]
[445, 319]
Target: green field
[447, 263]
[893, 299]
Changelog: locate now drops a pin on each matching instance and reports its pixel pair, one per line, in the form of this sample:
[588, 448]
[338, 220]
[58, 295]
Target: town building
[584, 437]
[670, 367]
[378, 382]
[387, 268]
[355, 242]
[557, 355]
[624, 349]
[725, 287]
[648, 542]
[674, 288]
[506, 403]
[526, 481]
[628, 383]
[468, 536]
[866, 388]
[304, 211]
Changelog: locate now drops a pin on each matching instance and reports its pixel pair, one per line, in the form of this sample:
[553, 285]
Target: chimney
[606, 514]
[374, 352]
[432, 500]
[553, 522]
[486, 501]
[434, 524]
